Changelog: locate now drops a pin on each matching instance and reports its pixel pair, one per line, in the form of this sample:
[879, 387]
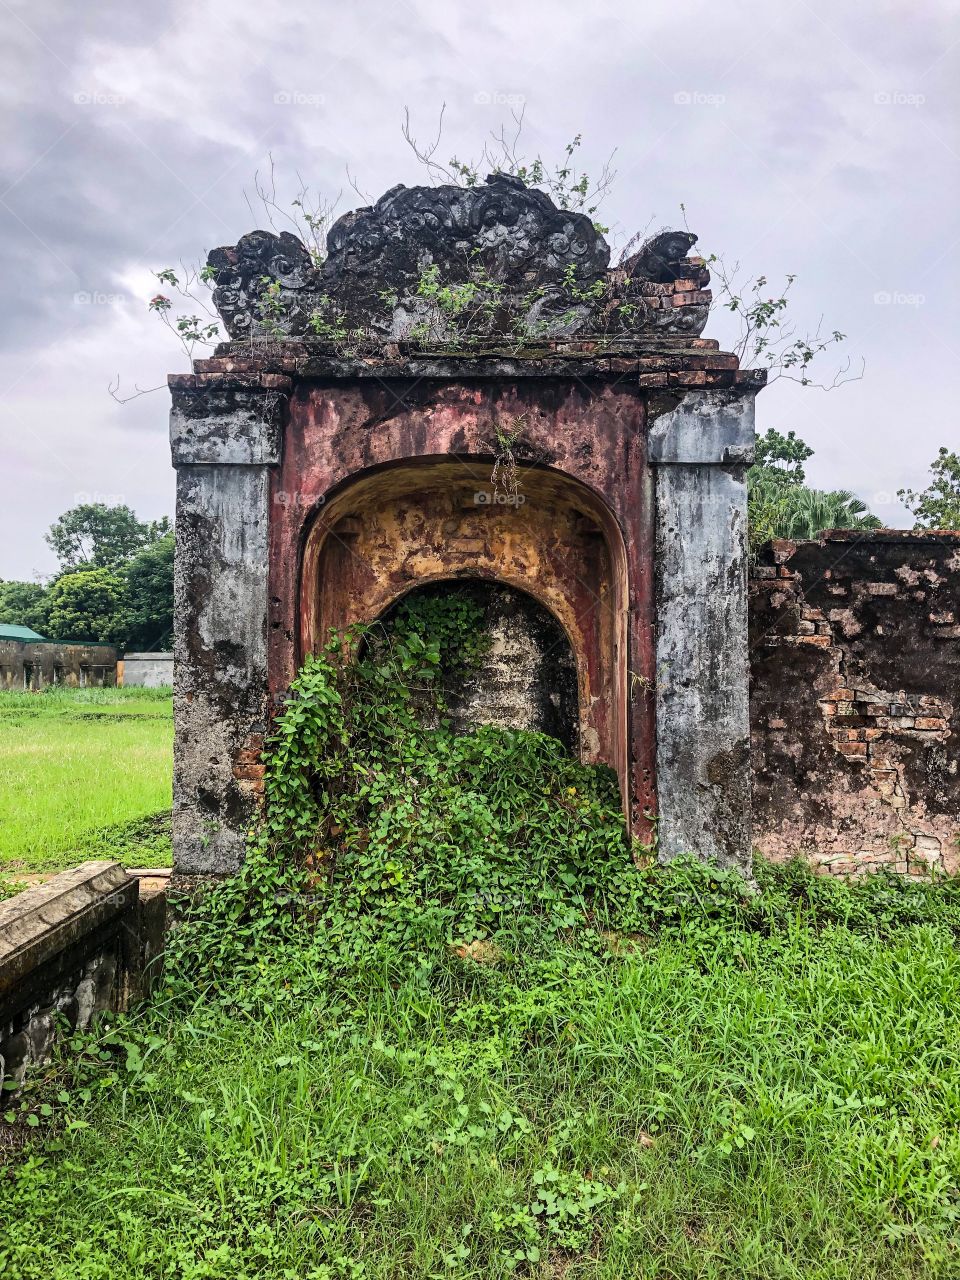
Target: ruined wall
[368, 531]
[35, 664]
[369, 481]
[310, 447]
[413, 524]
[527, 677]
[855, 701]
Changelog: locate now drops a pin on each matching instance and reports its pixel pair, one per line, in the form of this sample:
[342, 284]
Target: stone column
[699, 451]
[225, 436]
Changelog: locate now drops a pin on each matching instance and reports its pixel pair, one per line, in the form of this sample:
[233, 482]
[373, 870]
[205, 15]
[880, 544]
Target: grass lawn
[445, 1022]
[709, 1103]
[80, 771]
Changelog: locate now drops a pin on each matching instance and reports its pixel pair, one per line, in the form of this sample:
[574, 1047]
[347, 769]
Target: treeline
[115, 581]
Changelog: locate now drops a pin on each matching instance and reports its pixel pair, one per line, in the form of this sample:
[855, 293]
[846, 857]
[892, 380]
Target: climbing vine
[385, 832]
[382, 824]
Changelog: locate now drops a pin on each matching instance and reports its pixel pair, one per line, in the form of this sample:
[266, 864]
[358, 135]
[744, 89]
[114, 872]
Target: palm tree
[809, 512]
[782, 510]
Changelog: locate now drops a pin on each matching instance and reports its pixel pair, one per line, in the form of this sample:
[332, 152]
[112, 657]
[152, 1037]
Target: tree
[777, 469]
[149, 595]
[937, 506]
[779, 504]
[781, 456]
[87, 605]
[808, 512]
[95, 536]
[116, 584]
[24, 604]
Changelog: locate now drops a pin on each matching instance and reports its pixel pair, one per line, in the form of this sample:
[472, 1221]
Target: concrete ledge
[706, 428]
[39, 923]
[86, 941]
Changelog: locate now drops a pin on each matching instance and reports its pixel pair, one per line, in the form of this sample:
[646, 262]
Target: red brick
[248, 772]
[783, 549]
[713, 360]
[228, 379]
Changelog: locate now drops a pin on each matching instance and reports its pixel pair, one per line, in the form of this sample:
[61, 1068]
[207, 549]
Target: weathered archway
[321, 477]
[396, 528]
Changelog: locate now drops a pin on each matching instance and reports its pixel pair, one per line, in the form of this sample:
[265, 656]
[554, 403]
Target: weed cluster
[382, 826]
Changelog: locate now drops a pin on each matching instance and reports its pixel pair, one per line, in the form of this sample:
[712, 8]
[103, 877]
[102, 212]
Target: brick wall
[855, 701]
[525, 679]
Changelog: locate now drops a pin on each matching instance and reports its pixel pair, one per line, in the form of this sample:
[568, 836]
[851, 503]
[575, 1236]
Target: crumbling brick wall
[855, 701]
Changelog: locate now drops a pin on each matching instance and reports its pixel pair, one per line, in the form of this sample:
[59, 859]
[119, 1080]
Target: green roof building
[24, 634]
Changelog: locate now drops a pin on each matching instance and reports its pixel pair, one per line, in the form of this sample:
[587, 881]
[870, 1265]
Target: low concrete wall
[37, 664]
[86, 941]
[146, 670]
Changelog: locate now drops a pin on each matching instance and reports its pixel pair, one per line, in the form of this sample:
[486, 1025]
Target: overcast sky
[814, 138]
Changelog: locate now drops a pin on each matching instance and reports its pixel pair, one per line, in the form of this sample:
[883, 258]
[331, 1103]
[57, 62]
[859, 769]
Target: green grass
[715, 1101]
[79, 769]
[655, 1073]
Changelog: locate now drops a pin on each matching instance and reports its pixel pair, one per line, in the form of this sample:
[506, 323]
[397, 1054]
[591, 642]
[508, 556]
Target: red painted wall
[374, 495]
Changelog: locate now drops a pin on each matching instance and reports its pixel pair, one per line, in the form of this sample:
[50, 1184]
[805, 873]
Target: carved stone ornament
[447, 264]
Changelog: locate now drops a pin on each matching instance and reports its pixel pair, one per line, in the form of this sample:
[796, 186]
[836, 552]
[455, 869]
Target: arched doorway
[392, 529]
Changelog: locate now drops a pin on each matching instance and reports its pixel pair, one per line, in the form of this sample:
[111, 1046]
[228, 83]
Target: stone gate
[464, 389]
